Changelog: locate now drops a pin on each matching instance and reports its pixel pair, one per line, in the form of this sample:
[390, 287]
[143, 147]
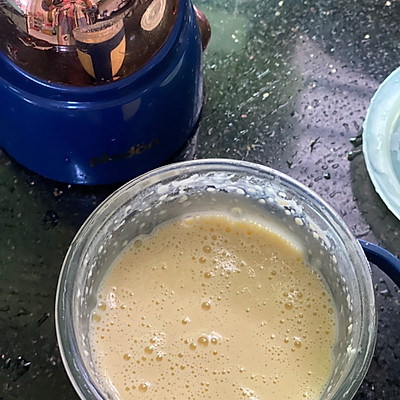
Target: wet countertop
[288, 84]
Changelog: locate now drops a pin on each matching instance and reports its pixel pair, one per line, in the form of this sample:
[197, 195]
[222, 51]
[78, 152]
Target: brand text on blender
[134, 150]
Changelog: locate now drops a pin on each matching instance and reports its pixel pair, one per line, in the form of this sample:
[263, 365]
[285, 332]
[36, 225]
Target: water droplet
[352, 154]
[50, 219]
[357, 140]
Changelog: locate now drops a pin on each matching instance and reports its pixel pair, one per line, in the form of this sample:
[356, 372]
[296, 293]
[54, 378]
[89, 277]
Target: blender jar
[71, 41]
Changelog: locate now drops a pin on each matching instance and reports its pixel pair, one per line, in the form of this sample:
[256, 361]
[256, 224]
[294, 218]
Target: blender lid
[84, 42]
[381, 141]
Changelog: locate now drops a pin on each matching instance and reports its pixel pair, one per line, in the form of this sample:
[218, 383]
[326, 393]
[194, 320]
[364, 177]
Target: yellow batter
[211, 308]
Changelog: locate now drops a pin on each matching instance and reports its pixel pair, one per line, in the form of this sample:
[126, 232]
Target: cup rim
[63, 310]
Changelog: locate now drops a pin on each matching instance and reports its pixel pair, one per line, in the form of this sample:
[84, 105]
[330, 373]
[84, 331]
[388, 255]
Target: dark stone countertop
[288, 85]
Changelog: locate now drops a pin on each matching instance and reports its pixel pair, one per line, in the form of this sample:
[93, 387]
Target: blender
[99, 91]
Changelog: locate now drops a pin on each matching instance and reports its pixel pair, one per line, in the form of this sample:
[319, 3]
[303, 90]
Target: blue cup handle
[383, 259]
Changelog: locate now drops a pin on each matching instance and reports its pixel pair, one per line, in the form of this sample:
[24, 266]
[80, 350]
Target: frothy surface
[211, 308]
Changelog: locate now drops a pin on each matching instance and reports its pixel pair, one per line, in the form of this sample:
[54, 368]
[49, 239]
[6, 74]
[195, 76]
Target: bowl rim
[104, 210]
[379, 126]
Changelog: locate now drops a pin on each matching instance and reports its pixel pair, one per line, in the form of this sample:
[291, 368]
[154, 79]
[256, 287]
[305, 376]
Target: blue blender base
[109, 133]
